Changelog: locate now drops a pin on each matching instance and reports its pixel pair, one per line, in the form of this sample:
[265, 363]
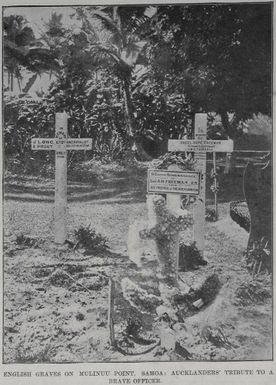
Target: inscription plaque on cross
[200, 146]
[61, 144]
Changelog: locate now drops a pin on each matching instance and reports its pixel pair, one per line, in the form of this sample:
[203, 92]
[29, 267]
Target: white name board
[57, 144]
[43, 144]
[192, 145]
[174, 182]
[78, 144]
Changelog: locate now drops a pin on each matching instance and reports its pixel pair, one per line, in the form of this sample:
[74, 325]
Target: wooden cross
[60, 144]
[173, 182]
[200, 146]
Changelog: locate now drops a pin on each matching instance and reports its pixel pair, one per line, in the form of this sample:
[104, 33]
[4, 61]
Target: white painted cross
[173, 182]
[200, 146]
[60, 144]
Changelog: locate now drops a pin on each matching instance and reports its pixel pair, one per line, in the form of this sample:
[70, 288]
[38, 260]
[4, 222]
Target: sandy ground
[54, 317]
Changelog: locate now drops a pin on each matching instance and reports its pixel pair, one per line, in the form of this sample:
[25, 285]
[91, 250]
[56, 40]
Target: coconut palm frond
[132, 51]
[102, 51]
[138, 24]
[106, 20]
[108, 25]
[14, 49]
[103, 55]
[140, 78]
[29, 84]
[40, 58]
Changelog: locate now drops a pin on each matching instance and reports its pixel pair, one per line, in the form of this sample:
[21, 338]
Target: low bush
[240, 214]
[210, 214]
[258, 256]
[34, 353]
[88, 238]
[190, 257]
[23, 240]
[253, 292]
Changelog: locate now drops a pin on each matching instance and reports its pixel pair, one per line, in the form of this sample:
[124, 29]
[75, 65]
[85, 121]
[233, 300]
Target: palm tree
[23, 51]
[113, 34]
[17, 37]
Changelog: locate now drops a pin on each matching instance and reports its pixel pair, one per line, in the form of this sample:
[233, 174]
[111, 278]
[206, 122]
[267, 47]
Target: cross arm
[194, 145]
[55, 143]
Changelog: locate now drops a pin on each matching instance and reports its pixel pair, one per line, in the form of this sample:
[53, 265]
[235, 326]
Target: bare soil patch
[56, 299]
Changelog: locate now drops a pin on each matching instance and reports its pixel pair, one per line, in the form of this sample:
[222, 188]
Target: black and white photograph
[137, 184]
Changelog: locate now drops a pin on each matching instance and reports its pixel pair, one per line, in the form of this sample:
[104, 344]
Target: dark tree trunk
[225, 123]
[134, 142]
[229, 126]
[128, 110]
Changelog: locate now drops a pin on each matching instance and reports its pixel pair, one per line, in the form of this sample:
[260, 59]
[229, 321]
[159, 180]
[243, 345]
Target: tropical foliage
[132, 77]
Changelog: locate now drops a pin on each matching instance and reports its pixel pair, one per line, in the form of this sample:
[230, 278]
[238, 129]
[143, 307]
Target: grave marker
[199, 205]
[200, 146]
[61, 178]
[173, 181]
[173, 203]
[60, 144]
[165, 223]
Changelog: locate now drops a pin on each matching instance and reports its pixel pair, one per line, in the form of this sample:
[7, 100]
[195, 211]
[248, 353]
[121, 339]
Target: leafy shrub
[59, 278]
[258, 256]
[210, 214]
[34, 354]
[96, 118]
[25, 119]
[253, 292]
[23, 240]
[88, 238]
[133, 326]
[190, 257]
[240, 214]
[260, 125]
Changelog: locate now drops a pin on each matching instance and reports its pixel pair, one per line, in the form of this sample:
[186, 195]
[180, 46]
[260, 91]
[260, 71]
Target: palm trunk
[135, 145]
[128, 110]
[11, 81]
[19, 83]
[230, 132]
[225, 122]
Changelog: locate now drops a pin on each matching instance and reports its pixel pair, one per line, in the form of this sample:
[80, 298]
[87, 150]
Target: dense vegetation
[132, 77]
